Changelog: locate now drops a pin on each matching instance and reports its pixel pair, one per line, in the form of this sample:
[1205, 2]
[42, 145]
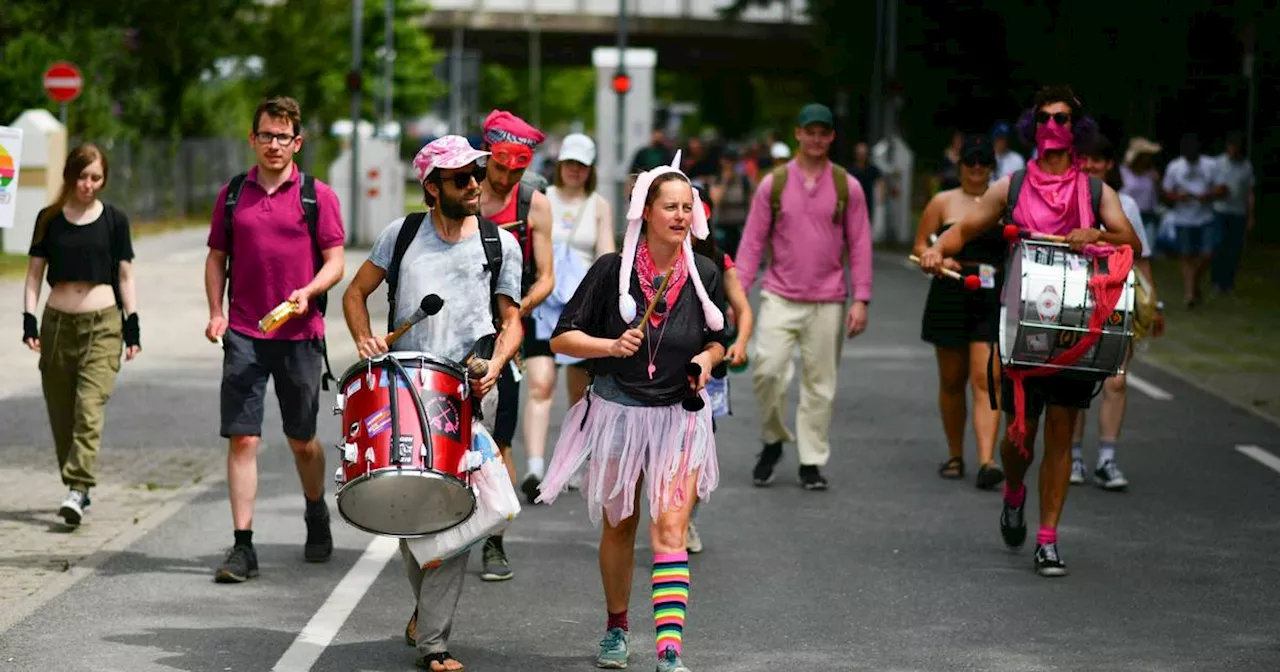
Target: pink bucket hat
[445, 153]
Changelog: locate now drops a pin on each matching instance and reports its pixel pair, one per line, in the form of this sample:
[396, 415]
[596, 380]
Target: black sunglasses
[692, 401]
[1061, 117]
[463, 180]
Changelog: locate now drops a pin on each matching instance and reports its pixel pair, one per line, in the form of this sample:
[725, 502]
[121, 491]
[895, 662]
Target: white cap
[780, 150]
[577, 147]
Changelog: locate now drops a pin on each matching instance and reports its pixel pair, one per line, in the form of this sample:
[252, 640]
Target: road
[891, 569]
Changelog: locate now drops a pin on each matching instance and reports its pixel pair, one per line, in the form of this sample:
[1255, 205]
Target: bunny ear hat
[635, 215]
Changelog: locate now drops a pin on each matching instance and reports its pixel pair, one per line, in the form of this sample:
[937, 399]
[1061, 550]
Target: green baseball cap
[815, 113]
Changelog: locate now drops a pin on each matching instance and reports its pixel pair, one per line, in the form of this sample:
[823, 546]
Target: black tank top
[988, 248]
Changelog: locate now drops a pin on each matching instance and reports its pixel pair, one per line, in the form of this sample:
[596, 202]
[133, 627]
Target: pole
[620, 204]
[874, 133]
[455, 82]
[1250, 73]
[62, 114]
[892, 205]
[357, 46]
[389, 59]
[535, 69]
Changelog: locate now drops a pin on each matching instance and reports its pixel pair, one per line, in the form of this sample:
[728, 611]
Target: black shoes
[240, 566]
[319, 546]
[762, 475]
[811, 478]
[1013, 525]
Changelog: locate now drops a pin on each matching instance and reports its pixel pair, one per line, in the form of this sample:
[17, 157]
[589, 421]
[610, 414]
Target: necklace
[653, 349]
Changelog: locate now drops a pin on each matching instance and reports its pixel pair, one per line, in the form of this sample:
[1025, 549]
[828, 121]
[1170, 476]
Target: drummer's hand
[931, 260]
[482, 386]
[952, 265]
[370, 346]
[299, 300]
[1078, 238]
[627, 344]
[216, 328]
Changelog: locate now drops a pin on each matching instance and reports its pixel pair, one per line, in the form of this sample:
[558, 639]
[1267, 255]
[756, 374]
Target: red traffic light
[621, 83]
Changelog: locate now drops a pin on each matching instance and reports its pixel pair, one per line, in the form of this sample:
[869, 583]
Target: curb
[1189, 380]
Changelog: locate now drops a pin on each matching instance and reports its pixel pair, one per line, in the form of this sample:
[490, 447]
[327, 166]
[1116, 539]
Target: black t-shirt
[682, 334]
[84, 252]
[866, 178]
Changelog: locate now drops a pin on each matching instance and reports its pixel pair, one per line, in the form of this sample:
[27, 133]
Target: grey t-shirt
[455, 272]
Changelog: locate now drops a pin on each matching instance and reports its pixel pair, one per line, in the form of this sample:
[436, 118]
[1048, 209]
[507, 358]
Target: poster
[10, 160]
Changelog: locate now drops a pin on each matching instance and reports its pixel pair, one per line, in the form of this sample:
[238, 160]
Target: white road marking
[1267, 459]
[326, 623]
[1146, 387]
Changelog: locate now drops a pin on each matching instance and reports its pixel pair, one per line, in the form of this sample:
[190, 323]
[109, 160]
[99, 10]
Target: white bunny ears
[635, 214]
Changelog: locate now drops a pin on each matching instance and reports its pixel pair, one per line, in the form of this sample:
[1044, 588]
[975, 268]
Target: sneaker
[692, 542]
[1013, 527]
[762, 475]
[811, 478]
[240, 566]
[989, 476]
[1047, 561]
[319, 544]
[496, 567]
[73, 507]
[1077, 472]
[613, 650]
[1109, 476]
[530, 488]
[669, 661]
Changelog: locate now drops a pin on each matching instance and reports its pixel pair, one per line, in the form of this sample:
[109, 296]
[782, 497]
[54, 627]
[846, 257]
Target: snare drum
[394, 480]
[1047, 307]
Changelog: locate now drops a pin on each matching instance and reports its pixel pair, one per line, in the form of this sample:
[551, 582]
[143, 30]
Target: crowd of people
[644, 332]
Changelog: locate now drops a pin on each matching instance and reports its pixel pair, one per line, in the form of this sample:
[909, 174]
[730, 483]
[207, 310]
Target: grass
[15, 265]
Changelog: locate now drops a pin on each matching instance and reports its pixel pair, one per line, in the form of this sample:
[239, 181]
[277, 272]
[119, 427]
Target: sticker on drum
[444, 416]
[378, 422]
[406, 446]
[1038, 342]
[1048, 304]
[401, 383]
[987, 276]
[354, 387]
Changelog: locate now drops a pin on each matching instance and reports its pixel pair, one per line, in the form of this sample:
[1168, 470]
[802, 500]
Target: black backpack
[524, 201]
[1015, 188]
[311, 211]
[489, 238]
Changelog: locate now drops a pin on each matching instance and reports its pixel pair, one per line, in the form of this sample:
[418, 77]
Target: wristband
[132, 335]
[29, 329]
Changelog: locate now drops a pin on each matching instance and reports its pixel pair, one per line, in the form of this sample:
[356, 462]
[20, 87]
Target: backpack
[838, 174]
[489, 239]
[1015, 188]
[311, 212]
[524, 201]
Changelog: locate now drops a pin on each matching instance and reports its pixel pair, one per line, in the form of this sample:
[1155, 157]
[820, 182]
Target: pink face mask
[1050, 136]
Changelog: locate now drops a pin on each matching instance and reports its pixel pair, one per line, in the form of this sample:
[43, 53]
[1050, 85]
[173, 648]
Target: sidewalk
[160, 445]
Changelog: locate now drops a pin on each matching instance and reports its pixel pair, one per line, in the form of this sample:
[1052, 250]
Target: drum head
[405, 502]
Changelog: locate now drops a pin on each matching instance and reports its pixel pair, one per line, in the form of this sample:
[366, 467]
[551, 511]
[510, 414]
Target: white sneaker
[692, 542]
[72, 509]
[1077, 472]
[1109, 476]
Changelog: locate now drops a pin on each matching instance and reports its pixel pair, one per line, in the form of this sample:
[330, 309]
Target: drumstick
[970, 281]
[1012, 233]
[431, 304]
[656, 298]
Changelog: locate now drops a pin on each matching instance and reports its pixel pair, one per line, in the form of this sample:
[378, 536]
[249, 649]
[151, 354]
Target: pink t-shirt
[273, 253]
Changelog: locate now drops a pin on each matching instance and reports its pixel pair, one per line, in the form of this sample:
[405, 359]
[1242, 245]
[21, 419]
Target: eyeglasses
[265, 138]
[463, 180]
[692, 401]
[1061, 117]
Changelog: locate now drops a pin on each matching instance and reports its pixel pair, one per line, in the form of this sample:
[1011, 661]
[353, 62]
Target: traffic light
[621, 83]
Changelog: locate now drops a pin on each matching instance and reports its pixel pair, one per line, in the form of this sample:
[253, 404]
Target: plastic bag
[496, 506]
[718, 391]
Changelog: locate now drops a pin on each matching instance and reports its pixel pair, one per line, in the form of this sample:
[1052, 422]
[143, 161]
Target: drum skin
[420, 487]
[1047, 306]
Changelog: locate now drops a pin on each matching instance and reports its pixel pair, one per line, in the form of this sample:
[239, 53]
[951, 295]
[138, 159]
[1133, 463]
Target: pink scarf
[1054, 204]
[646, 271]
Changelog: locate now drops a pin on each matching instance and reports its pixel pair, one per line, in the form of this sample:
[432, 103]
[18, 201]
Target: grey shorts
[295, 366]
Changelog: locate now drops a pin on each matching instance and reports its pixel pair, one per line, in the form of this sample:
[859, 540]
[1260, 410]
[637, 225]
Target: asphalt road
[891, 569]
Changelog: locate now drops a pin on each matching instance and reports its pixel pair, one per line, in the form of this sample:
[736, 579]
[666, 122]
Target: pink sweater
[808, 248]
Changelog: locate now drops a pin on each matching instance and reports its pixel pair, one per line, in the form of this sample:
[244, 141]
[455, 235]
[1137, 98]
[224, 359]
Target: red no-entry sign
[62, 82]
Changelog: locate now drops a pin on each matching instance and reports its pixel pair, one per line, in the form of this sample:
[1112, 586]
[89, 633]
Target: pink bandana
[1054, 204]
[646, 272]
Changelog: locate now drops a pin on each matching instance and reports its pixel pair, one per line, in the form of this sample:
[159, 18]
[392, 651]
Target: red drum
[392, 481]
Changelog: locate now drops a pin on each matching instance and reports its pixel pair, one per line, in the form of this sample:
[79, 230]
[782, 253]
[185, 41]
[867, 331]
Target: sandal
[952, 468]
[424, 661]
[411, 630]
[989, 476]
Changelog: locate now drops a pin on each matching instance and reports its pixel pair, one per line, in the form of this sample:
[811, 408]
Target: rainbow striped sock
[670, 598]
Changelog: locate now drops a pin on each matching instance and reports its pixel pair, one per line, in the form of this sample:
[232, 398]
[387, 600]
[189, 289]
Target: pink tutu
[620, 443]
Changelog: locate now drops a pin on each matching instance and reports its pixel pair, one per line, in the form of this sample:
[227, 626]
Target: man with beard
[448, 258]
[518, 208]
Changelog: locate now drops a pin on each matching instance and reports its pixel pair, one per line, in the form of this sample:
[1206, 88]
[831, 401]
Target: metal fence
[162, 179]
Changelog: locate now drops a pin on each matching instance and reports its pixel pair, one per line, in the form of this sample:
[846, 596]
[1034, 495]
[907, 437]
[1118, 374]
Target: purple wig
[1083, 128]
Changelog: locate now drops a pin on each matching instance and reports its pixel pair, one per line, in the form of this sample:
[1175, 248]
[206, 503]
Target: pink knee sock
[1047, 535]
[1015, 499]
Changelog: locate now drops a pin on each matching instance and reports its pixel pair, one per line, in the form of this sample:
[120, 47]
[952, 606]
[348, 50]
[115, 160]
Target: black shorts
[296, 367]
[533, 346]
[1053, 390]
[954, 317]
[507, 413]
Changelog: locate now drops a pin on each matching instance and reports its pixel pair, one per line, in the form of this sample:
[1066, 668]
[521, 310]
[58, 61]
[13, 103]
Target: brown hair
[656, 186]
[590, 186]
[79, 159]
[280, 107]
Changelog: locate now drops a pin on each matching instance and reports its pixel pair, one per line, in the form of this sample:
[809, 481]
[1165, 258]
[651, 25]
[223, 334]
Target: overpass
[687, 34]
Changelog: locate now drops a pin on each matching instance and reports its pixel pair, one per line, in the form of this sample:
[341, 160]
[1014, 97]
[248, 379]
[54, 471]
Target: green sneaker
[613, 650]
[669, 661]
